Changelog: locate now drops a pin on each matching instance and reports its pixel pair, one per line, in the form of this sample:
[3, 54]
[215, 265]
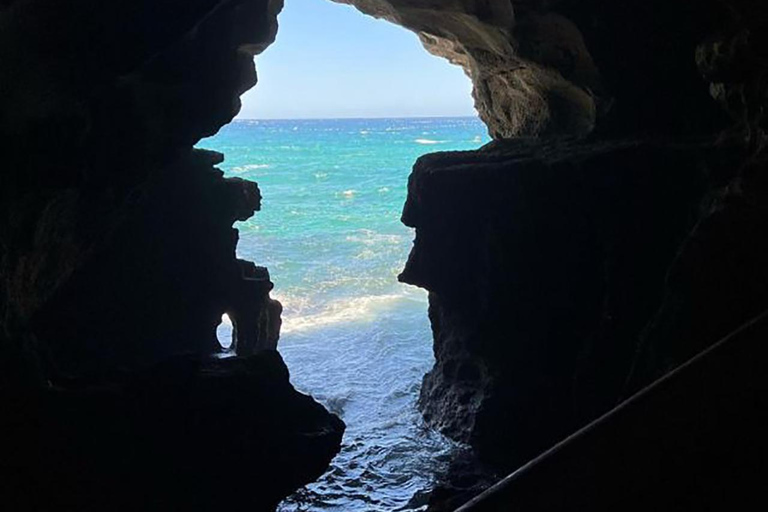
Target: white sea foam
[250, 167]
[429, 141]
[370, 237]
[344, 311]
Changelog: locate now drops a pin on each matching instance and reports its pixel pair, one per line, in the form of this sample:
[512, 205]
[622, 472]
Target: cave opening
[330, 134]
[224, 333]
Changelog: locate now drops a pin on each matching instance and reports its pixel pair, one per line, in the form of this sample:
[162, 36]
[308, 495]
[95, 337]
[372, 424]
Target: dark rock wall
[693, 440]
[188, 434]
[568, 270]
[104, 201]
[549, 259]
[567, 67]
[117, 252]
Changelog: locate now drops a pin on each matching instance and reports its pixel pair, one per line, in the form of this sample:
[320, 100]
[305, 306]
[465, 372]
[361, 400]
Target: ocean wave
[370, 237]
[349, 310]
[429, 141]
[250, 167]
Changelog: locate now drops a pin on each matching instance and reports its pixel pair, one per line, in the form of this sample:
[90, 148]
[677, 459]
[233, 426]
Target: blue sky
[332, 61]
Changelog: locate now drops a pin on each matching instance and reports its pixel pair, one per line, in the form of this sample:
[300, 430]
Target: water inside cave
[352, 336]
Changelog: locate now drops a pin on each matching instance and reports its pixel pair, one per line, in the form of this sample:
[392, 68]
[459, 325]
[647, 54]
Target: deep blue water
[352, 336]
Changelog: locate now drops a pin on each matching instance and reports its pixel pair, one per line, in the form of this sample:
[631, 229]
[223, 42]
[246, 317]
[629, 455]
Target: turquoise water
[352, 336]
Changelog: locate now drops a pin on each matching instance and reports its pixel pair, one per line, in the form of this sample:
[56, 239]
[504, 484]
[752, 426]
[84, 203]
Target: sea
[352, 336]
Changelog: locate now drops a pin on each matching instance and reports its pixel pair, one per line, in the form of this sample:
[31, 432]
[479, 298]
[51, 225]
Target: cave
[329, 231]
[596, 274]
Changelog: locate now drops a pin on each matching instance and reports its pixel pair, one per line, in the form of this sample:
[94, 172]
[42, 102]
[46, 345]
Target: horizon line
[352, 118]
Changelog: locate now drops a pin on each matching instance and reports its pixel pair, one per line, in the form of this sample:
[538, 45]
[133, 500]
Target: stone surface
[518, 89]
[98, 138]
[568, 67]
[190, 434]
[718, 279]
[541, 276]
[565, 274]
[117, 257]
[691, 441]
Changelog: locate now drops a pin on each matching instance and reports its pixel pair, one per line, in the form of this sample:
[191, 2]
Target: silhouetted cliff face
[546, 252]
[99, 119]
[117, 252]
[565, 273]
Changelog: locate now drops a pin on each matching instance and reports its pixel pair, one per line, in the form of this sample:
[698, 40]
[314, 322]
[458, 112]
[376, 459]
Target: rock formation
[117, 261]
[552, 68]
[531, 266]
[568, 270]
[543, 87]
[195, 434]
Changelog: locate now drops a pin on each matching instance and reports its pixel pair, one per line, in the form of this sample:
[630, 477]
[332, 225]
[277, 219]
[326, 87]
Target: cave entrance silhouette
[333, 181]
